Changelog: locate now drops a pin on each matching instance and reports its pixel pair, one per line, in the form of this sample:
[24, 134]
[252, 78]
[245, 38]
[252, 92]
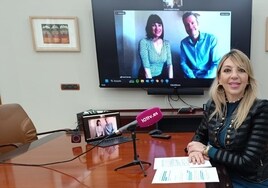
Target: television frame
[105, 37]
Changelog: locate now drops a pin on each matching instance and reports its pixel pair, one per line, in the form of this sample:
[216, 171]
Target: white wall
[33, 78]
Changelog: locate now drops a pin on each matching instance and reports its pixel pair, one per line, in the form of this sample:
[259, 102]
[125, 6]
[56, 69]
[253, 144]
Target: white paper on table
[167, 162]
[185, 175]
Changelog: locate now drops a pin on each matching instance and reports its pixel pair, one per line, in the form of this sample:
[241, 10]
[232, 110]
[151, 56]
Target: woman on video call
[154, 51]
[99, 129]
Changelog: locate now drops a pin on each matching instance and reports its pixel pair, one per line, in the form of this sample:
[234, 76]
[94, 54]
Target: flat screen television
[120, 25]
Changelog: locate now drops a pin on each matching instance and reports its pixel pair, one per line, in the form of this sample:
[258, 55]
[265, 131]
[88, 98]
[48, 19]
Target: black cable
[59, 162]
[169, 97]
[66, 175]
[190, 105]
[184, 101]
[58, 130]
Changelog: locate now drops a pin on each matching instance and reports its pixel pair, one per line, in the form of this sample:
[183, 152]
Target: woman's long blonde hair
[217, 92]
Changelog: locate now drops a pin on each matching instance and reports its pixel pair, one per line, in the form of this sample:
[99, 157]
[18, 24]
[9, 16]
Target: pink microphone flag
[149, 117]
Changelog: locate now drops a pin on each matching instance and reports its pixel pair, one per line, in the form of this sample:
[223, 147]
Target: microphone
[149, 117]
[143, 119]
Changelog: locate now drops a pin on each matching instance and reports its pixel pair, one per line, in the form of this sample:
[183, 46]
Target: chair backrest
[15, 126]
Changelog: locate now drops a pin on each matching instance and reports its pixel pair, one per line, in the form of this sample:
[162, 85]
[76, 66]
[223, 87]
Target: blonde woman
[234, 131]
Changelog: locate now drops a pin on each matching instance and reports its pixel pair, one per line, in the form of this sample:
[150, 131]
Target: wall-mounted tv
[151, 44]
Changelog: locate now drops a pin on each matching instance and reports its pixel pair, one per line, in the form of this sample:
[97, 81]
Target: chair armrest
[16, 145]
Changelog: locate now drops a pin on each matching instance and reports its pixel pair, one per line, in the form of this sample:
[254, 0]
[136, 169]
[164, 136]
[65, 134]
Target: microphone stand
[136, 160]
[156, 131]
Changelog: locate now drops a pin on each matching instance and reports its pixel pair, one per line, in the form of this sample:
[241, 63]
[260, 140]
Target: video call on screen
[130, 29]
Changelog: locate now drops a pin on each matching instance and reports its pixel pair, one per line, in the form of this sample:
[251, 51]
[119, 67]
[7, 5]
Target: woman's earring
[220, 88]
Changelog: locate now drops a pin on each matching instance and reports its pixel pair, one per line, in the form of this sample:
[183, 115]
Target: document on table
[179, 170]
[167, 162]
[185, 175]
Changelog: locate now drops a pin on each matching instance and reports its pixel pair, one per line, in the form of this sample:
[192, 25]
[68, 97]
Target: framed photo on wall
[55, 33]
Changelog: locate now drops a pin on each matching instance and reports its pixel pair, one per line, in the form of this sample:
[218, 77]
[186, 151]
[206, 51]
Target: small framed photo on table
[55, 33]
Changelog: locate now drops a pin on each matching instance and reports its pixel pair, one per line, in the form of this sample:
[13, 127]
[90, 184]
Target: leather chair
[16, 128]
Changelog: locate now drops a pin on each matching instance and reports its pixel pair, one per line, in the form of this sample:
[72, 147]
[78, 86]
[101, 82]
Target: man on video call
[199, 54]
[109, 129]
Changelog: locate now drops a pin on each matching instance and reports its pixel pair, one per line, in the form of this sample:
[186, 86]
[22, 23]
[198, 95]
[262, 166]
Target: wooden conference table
[94, 169]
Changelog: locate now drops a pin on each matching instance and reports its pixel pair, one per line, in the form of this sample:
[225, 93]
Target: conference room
[55, 83]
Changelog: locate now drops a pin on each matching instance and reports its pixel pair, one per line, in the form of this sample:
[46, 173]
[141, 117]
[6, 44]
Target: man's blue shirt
[200, 60]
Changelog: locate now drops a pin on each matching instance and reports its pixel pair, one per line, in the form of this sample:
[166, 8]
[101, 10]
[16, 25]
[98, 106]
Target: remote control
[163, 136]
[186, 110]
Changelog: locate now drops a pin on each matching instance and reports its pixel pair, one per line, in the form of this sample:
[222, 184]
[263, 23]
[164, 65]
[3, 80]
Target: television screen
[167, 43]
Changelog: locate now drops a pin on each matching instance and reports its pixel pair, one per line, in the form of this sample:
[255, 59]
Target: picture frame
[55, 33]
[266, 35]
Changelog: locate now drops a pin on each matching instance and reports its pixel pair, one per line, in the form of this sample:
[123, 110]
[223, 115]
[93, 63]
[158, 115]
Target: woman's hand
[196, 157]
[196, 152]
[195, 147]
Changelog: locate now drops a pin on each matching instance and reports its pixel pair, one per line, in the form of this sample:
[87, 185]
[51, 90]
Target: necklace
[234, 100]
